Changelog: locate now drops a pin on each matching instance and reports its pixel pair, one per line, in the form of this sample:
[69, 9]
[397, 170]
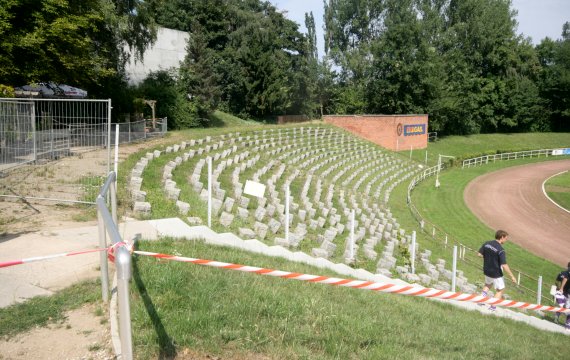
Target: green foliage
[244, 57]
[6, 91]
[74, 42]
[555, 78]
[163, 87]
[461, 62]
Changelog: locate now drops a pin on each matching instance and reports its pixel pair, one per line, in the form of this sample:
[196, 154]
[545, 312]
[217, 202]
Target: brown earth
[512, 199]
[82, 335]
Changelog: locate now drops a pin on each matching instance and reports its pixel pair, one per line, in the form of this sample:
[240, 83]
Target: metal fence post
[209, 192]
[103, 258]
[124, 274]
[454, 269]
[539, 291]
[34, 131]
[413, 253]
[287, 194]
[351, 248]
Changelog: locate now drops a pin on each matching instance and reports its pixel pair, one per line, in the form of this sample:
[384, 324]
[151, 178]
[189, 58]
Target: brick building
[394, 132]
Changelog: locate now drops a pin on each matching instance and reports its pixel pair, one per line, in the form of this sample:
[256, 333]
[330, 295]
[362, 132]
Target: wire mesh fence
[60, 149]
[54, 149]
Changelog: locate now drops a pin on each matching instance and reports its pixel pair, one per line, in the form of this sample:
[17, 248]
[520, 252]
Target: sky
[537, 18]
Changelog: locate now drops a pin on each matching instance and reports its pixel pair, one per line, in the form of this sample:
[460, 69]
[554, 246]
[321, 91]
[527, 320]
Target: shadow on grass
[167, 348]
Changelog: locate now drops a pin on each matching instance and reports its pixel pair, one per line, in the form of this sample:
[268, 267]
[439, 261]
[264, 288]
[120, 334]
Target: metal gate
[54, 149]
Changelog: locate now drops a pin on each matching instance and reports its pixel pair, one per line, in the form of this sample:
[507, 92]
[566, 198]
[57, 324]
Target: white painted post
[413, 253]
[454, 269]
[209, 192]
[433, 232]
[351, 248]
[446, 241]
[539, 292]
[116, 167]
[287, 194]
[426, 157]
[34, 135]
[519, 278]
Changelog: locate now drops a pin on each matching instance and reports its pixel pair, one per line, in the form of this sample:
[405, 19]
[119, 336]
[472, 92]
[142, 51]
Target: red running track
[512, 199]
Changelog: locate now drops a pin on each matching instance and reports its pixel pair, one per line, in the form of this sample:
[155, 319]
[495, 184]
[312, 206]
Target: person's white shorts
[498, 283]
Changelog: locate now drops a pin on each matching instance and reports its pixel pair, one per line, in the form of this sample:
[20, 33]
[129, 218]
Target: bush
[6, 91]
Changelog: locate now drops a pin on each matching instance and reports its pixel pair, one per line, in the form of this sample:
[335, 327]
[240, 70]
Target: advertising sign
[561, 151]
[411, 130]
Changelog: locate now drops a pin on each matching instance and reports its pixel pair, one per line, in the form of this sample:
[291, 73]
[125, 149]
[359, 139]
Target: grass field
[558, 189]
[180, 308]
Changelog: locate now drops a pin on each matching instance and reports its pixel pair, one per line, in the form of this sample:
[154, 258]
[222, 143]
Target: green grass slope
[183, 308]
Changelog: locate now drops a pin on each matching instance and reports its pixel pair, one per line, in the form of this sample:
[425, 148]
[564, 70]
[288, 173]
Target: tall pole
[437, 173]
[454, 273]
[413, 253]
[209, 192]
[351, 248]
[287, 195]
[539, 291]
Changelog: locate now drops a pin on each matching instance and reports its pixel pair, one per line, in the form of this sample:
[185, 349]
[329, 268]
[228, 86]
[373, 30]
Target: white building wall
[167, 52]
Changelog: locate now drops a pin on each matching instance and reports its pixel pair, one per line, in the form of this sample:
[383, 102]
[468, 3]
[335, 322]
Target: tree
[70, 41]
[555, 78]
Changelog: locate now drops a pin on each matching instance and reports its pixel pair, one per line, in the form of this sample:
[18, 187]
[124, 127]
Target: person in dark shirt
[494, 262]
[563, 293]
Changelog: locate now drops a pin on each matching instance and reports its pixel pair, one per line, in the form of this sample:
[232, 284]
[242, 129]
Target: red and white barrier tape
[110, 254]
[48, 257]
[365, 285]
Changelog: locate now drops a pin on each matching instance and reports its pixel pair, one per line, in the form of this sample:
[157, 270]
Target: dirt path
[512, 199]
[84, 334]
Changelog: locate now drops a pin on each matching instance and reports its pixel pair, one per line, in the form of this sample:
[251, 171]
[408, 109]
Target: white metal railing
[485, 159]
[449, 241]
[123, 263]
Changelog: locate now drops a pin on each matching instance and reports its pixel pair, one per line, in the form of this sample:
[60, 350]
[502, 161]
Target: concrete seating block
[142, 208]
[216, 206]
[229, 204]
[425, 279]
[260, 213]
[194, 220]
[270, 210]
[172, 193]
[226, 219]
[274, 225]
[412, 278]
[138, 196]
[183, 207]
[242, 213]
[244, 202]
[246, 233]
[321, 253]
[261, 230]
